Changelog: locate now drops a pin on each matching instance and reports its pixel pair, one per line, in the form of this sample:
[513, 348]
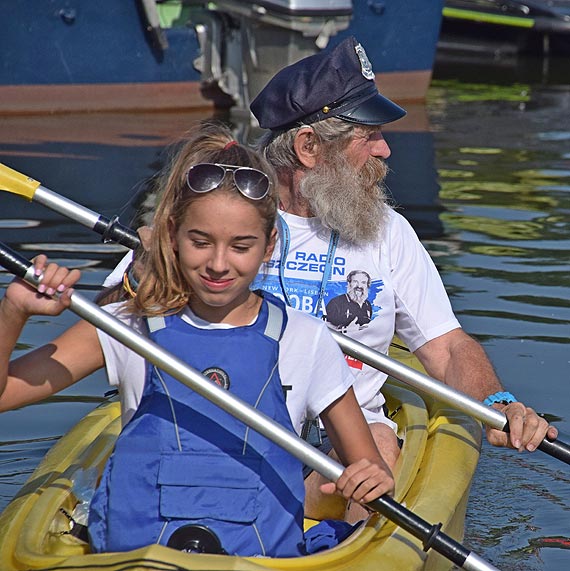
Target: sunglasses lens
[205, 177]
[251, 183]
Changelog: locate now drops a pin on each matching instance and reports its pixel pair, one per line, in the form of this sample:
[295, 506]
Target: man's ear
[306, 147]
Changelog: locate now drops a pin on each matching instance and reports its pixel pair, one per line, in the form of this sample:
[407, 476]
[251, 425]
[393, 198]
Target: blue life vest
[182, 460]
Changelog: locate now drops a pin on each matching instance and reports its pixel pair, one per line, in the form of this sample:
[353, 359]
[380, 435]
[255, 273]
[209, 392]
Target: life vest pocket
[199, 485]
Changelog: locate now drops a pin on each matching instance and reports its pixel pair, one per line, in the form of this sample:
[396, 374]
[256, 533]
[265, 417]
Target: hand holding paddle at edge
[526, 428]
[469, 371]
[55, 279]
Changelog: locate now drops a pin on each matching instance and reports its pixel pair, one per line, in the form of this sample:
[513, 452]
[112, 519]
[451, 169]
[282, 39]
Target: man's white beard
[358, 296]
[348, 200]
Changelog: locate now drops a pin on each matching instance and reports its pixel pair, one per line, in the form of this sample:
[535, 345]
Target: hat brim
[377, 110]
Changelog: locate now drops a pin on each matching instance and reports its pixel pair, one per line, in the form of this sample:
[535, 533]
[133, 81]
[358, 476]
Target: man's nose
[379, 147]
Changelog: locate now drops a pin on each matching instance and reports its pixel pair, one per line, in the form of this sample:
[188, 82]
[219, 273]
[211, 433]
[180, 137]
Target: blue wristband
[501, 398]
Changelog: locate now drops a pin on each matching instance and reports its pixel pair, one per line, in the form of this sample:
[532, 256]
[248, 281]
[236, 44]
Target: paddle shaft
[429, 534]
[112, 230]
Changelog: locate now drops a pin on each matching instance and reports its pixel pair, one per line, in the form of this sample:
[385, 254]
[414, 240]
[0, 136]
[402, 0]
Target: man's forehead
[355, 130]
[366, 130]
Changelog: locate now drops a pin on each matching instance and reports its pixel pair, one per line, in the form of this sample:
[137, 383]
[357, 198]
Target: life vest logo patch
[218, 376]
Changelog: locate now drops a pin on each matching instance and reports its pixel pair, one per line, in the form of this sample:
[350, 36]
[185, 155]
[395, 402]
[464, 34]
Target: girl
[180, 462]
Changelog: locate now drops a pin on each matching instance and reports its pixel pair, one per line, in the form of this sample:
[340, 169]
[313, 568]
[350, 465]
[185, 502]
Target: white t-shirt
[405, 295]
[310, 362]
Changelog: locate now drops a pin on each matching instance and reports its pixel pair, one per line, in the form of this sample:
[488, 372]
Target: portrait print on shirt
[347, 304]
[352, 309]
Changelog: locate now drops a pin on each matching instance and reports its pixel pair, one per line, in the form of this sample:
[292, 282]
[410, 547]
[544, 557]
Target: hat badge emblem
[365, 65]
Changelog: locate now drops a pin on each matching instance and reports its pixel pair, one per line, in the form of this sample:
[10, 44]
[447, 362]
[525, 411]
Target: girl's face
[221, 243]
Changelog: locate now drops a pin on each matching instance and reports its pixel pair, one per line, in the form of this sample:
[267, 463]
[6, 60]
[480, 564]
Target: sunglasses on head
[205, 177]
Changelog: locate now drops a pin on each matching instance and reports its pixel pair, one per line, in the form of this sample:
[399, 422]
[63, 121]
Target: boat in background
[80, 55]
[504, 28]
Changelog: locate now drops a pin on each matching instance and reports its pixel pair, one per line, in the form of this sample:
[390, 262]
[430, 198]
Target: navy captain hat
[333, 83]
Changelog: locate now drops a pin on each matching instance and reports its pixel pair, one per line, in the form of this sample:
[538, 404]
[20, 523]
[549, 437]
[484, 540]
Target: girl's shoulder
[117, 308]
[121, 312]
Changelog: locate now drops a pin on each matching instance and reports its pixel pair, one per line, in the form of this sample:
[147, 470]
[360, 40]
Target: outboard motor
[243, 43]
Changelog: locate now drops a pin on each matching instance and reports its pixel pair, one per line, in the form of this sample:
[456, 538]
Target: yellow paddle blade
[17, 183]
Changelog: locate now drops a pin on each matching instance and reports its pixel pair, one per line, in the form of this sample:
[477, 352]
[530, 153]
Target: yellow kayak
[433, 476]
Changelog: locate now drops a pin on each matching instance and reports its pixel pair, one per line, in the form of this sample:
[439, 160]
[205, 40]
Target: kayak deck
[433, 477]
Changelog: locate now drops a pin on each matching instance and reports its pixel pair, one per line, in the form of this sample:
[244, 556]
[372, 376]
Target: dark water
[487, 187]
[502, 143]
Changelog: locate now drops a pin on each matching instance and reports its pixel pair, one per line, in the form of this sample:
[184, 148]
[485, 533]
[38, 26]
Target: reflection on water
[505, 258]
[513, 516]
[487, 187]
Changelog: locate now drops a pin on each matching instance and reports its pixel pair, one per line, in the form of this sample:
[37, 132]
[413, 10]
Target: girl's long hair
[162, 287]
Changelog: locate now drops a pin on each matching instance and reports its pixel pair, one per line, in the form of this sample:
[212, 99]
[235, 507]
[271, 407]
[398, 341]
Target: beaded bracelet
[501, 398]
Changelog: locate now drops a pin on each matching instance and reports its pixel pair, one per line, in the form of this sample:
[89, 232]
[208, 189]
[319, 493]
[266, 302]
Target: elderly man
[324, 116]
